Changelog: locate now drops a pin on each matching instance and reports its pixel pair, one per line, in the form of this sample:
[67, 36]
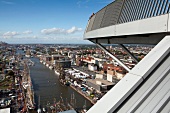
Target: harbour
[47, 86]
[118, 62]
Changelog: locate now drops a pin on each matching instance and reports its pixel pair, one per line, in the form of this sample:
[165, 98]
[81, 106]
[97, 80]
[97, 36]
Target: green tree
[11, 73]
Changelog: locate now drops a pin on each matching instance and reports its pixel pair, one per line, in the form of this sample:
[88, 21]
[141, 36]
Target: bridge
[145, 88]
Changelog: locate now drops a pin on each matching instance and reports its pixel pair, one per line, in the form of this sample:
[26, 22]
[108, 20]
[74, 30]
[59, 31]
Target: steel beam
[134, 58]
[110, 54]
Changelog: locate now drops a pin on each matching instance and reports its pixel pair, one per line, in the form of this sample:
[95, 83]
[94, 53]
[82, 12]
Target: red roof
[88, 59]
[112, 67]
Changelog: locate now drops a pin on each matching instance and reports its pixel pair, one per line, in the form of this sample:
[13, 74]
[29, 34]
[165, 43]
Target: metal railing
[123, 11]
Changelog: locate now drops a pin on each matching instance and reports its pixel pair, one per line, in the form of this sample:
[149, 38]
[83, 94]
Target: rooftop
[5, 110]
[100, 81]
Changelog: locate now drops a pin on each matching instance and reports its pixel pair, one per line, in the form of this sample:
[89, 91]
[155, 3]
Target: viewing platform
[145, 87]
[129, 22]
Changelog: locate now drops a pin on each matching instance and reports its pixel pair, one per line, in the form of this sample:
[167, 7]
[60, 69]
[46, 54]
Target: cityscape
[85, 69]
[90, 56]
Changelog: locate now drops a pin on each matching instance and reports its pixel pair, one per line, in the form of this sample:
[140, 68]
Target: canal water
[47, 86]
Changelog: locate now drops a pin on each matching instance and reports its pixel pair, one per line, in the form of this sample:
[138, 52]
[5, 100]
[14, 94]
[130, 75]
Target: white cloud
[62, 39]
[61, 31]
[73, 30]
[52, 31]
[34, 37]
[7, 2]
[28, 37]
[27, 32]
[10, 34]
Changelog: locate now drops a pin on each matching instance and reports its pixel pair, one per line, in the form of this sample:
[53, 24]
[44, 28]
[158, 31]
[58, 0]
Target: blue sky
[46, 21]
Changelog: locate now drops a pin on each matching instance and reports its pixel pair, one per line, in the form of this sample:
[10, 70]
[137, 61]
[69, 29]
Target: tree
[12, 74]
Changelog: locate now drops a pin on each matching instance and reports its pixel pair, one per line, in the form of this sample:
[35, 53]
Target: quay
[47, 64]
[27, 84]
[84, 95]
[47, 78]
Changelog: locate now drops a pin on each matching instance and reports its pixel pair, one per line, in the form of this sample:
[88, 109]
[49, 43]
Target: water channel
[47, 86]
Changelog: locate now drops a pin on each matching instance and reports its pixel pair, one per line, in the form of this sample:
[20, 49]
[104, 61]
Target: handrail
[123, 11]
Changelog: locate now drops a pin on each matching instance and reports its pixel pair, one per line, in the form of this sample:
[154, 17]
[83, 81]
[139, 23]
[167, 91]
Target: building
[92, 67]
[63, 63]
[100, 84]
[69, 111]
[47, 58]
[5, 110]
[115, 71]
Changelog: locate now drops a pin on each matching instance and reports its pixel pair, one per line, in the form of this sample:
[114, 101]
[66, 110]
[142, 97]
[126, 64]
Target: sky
[46, 21]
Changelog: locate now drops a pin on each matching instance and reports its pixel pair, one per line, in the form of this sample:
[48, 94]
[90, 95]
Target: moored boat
[51, 67]
[44, 110]
[39, 109]
[56, 72]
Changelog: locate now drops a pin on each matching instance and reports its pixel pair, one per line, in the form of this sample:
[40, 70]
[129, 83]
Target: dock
[84, 95]
[28, 87]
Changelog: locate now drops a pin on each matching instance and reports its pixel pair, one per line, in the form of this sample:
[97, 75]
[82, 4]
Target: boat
[57, 72]
[39, 109]
[28, 56]
[51, 67]
[84, 107]
[47, 65]
[67, 83]
[30, 107]
[52, 107]
[44, 110]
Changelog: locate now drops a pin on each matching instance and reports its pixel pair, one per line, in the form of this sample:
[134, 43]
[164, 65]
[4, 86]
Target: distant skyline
[46, 21]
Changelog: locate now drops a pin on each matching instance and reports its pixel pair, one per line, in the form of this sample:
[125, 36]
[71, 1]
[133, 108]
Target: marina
[48, 87]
